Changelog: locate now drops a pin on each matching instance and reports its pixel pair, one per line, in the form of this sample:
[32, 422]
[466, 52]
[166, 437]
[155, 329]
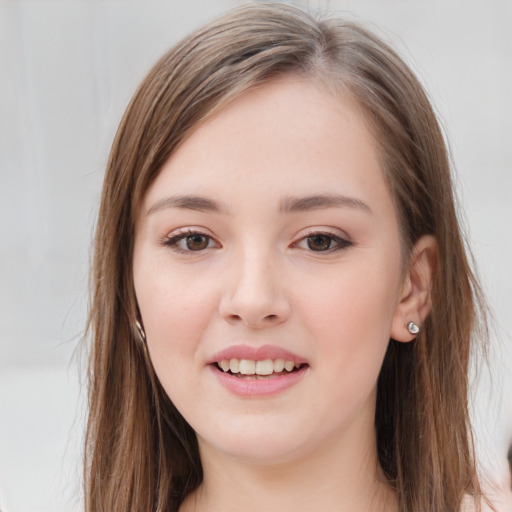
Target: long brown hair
[140, 453]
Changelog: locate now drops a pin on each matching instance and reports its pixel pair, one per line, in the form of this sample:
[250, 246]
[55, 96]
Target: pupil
[197, 242]
[319, 242]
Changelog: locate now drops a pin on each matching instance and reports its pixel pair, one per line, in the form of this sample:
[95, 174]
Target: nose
[255, 293]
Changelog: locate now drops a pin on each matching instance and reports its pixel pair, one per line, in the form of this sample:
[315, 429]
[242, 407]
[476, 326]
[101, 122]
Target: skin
[259, 278]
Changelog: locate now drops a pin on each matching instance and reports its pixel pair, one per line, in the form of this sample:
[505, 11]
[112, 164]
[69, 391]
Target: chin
[257, 443]
[261, 454]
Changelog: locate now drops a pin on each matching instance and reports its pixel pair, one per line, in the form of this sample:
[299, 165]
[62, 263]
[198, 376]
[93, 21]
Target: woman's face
[270, 239]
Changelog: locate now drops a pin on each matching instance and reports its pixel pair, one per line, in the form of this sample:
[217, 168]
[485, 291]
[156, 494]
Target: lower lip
[258, 387]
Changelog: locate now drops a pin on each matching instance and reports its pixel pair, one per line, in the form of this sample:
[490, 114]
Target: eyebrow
[319, 202]
[197, 203]
[288, 204]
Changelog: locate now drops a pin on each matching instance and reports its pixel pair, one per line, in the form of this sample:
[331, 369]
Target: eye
[190, 241]
[322, 242]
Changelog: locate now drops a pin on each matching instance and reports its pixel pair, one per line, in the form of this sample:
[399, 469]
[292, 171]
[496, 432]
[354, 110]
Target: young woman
[283, 310]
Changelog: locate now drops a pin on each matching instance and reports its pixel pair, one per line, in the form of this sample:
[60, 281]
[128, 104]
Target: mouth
[250, 369]
[251, 372]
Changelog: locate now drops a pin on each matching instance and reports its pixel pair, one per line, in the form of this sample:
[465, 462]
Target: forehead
[286, 135]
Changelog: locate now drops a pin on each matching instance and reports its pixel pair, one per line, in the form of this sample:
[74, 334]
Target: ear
[415, 297]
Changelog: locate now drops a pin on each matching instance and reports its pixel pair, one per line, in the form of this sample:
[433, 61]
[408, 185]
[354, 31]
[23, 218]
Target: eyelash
[183, 235]
[174, 241]
[341, 243]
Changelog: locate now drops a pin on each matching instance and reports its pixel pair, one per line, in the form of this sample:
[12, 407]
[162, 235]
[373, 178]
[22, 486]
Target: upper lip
[256, 354]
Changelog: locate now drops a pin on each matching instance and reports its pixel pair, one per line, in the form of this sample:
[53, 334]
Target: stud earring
[413, 328]
[141, 332]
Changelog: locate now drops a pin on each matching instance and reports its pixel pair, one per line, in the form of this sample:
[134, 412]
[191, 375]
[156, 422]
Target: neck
[343, 476]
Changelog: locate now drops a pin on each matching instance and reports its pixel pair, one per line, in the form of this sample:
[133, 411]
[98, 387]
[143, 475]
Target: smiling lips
[257, 371]
[266, 368]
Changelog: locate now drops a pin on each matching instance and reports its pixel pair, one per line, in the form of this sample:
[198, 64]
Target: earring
[413, 328]
[141, 332]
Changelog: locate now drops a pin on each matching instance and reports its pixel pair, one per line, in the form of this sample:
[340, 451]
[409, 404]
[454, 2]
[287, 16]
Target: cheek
[351, 329]
[175, 317]
[175, 309]
[350, 316]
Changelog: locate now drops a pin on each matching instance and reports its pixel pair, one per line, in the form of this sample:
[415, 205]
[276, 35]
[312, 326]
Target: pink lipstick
[257, 371]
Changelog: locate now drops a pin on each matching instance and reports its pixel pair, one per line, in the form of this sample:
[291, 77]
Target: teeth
[289, 366]
[247, 367]
[234, 365]
[224, 364]
[279, 365]
[263, 368]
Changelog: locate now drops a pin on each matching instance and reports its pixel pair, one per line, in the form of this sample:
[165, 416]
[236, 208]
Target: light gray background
[68, 69]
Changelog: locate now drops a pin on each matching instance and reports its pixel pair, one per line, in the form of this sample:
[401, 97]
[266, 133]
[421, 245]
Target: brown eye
[319, 242]
[197, 242]
[322, 242]
[188, 242]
